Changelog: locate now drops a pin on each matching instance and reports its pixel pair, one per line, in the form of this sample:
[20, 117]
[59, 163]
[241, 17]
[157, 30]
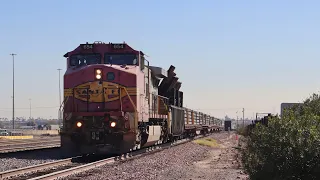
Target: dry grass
[207, 142]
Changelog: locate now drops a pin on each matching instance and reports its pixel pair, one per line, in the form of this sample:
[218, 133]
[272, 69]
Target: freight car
[115, 102]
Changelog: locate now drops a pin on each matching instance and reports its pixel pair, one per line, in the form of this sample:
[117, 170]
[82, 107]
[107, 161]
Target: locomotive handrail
[135, 109]
[63, 103]
[165, 105]
[162, 99]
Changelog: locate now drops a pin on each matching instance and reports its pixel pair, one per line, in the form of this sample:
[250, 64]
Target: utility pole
[59, 118]
[237, 121]
[30, 108]
[13, 89]
[243, 116]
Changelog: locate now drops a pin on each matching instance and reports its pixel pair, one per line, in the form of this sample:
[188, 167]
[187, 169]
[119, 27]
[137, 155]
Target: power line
[222, 109]
[41, 107]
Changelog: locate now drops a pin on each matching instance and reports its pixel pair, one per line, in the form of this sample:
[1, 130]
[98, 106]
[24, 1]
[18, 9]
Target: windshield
[120, 59]
[84, 59]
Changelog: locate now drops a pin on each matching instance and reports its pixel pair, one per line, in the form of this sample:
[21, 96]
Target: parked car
[3, 132]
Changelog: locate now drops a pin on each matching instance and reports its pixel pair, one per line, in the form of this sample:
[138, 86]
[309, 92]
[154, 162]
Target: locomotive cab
[101, 53]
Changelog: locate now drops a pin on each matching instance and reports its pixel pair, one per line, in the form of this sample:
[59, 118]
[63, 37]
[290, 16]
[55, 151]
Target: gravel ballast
[15, 160]
[185, 161]
[28, 158]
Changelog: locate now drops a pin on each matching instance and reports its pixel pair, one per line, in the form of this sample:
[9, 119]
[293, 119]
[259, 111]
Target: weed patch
[207, 142]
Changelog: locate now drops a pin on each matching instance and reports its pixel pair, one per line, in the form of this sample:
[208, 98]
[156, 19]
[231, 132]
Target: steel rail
[27, 143]
[81, 168]
[12, 142]
[29, 147]
[20, 171]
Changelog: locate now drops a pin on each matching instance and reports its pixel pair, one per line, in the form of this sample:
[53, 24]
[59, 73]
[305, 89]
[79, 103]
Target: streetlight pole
[59, 118]
[13, 89]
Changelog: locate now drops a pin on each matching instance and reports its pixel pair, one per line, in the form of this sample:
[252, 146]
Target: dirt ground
[221, 163]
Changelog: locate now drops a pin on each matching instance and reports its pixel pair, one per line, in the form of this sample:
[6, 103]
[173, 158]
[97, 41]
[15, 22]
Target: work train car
[114, 102]
[263, 121]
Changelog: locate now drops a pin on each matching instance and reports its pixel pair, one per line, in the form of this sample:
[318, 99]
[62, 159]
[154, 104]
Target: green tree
[289, 148]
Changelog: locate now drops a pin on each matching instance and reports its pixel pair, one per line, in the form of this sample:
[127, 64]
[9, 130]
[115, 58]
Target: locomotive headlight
[113, 124]
[98, 73]
[98, 76]
[79, 124]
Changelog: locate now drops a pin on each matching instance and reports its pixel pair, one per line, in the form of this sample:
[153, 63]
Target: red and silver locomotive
[114, 101]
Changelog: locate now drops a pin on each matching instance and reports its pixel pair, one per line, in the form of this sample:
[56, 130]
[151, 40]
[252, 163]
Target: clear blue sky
[228, 54]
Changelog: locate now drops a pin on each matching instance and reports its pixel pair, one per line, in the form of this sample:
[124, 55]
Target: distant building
[27, 127]
[288, 105]
[55, 127]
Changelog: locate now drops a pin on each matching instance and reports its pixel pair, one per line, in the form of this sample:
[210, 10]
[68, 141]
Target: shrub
[289, 148]
[242, 131]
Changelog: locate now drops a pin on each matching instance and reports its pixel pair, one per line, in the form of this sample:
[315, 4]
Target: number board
[118, 46]
[87, 46]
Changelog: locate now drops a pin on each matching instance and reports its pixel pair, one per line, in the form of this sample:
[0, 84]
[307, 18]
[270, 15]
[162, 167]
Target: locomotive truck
[115, 102]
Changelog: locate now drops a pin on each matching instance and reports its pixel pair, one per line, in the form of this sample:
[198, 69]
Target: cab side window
[142, 62]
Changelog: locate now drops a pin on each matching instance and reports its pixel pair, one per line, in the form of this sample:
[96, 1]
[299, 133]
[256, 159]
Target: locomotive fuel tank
[178, 120]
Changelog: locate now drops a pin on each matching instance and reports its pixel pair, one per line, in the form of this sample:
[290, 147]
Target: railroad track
[38, 170]
[70, 166]
[29, 146]
[21, 141]
[4, 144]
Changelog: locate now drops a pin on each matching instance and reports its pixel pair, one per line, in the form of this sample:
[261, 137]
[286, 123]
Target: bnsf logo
[94, 92]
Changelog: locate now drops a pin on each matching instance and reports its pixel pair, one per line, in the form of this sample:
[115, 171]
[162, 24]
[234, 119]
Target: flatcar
[115, 102]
